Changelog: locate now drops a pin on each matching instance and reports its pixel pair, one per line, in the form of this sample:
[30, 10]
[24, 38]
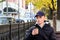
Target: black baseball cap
[39, 13]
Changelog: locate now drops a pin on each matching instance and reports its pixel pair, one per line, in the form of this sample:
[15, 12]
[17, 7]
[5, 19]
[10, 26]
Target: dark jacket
[45, 33]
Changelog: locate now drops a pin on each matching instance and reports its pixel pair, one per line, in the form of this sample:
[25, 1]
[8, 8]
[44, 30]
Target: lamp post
[18, 22]
[7, 7]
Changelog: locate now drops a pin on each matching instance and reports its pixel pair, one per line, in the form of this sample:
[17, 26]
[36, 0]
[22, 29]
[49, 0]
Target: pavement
[57, 24]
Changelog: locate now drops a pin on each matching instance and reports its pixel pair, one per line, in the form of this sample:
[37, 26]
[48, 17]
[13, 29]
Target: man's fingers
[35, 31]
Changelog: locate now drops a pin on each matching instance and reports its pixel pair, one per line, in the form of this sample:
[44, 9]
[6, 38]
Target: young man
[41, 30]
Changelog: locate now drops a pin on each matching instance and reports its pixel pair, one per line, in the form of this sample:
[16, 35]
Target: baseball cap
[39, 13]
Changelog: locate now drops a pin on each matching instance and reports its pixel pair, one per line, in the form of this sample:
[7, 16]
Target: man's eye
[40, 17]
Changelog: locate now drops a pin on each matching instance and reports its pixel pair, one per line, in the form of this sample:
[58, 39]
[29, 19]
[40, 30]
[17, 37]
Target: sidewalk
[57, 24]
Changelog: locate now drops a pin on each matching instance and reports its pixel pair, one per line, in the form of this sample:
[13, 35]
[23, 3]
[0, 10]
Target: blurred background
[16, 16]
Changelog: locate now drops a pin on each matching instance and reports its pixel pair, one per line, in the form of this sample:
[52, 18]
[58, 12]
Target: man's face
[40, 20]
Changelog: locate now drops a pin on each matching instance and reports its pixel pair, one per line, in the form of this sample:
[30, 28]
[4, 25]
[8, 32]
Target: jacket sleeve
[28, 35]
[52, 35]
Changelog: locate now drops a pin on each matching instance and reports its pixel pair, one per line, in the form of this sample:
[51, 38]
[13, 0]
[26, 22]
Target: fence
[14, 31]
[57, 35]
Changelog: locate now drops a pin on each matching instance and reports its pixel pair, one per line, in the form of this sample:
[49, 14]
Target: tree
[2, 0]
[43, 3]
[48, 4]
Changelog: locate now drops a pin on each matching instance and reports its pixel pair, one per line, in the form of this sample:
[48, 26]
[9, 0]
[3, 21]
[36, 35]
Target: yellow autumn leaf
[40, 3]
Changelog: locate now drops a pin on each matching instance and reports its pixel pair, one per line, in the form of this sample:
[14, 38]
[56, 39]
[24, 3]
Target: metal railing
[14, 31]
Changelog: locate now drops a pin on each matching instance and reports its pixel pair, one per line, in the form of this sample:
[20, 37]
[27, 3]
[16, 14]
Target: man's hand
[35, 31]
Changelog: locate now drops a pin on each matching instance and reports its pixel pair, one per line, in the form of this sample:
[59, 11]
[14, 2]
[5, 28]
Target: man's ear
[45, 18]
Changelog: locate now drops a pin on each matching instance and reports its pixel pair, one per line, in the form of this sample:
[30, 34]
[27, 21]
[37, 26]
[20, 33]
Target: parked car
[5, 19]
[19, 20]
[26, 19]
